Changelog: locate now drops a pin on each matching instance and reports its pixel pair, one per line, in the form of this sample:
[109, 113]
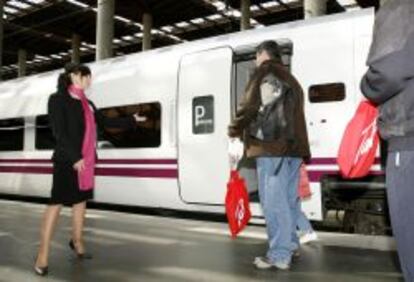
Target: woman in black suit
[72, 118]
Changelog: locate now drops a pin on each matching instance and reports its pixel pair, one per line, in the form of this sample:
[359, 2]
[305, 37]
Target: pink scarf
[86, 177]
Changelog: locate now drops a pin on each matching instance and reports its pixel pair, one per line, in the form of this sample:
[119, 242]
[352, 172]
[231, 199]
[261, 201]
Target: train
[178, 158]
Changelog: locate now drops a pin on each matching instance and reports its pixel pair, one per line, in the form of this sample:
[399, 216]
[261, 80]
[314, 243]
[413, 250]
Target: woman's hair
[64, 79]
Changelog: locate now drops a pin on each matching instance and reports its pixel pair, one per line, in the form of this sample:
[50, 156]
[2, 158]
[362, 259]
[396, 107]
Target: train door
[203, 115]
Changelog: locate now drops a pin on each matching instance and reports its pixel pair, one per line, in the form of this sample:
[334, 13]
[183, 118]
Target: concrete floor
[130, 247]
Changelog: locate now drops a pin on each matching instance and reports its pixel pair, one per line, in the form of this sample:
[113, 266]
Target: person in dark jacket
[72, 119]
[271, 123]
[389, 82]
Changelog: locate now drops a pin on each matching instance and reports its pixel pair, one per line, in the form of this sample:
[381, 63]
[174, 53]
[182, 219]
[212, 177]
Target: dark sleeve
[244, 115]
[58, 124]
[105, 122]
[389, 75]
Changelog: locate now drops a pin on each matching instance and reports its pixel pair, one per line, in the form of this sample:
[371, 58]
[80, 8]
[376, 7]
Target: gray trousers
[400, 190]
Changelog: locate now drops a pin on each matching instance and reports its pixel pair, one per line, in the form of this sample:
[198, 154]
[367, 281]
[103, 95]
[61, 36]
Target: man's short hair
[271, 48]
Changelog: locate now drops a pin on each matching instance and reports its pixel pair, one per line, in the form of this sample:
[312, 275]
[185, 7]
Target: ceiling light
[18, 4]
[10, 10]
[219, 5]
[198, 21]
[167, 28]
[270, 4]
[36, 1]
[127, 37]
[215, 17]
[182, 24]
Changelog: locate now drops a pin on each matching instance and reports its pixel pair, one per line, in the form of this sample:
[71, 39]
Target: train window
[146, 134]
[331, 92]
[12, 134]
[203, 115]
[44, 139]
[244, 70]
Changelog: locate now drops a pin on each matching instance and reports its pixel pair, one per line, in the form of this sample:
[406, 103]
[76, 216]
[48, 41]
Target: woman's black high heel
[41, 271]
[79, 255]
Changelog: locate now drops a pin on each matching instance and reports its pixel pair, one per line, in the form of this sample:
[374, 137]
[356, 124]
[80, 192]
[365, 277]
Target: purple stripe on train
[139, 161]
[133, 172]
[314, 161]
[314, 175]
[103, 161]
[32, 161]
[26, 169]
[125, 172]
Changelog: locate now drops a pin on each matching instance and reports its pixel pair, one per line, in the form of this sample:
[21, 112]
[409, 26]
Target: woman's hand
[79, 165]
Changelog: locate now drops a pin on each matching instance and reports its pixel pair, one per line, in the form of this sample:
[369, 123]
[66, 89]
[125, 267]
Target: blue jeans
[303, 223]
[278, 184]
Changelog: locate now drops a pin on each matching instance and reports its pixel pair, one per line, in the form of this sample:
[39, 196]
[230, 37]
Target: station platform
[131, 247]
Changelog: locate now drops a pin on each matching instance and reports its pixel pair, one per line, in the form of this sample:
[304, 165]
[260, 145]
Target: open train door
[203, 116]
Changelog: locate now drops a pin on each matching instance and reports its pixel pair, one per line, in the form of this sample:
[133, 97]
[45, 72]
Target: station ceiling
[44, 28]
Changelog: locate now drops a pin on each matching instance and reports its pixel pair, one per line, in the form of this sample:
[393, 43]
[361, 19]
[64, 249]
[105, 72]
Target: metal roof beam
[127, 21]
[283, 4]
[170, 32]
[220, 4]
[40, 34]
[226, 19]
[34, 7]
[13, 6]
[263, 8]
[33, 4]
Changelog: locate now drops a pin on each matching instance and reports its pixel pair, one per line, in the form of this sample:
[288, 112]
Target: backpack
[272, 121]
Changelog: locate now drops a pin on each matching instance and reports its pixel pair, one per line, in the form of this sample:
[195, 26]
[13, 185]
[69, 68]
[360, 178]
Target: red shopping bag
[360, 142]
[304, 190]
[237, 204]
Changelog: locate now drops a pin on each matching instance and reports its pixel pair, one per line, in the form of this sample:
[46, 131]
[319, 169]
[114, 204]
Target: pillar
[146, 40]
[245, 14]
[22, 62]
[1, 34]
[76, 44]
[105, 29]
[314, 8]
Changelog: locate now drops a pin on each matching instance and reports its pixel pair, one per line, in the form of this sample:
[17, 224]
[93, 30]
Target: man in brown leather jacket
[271, 123]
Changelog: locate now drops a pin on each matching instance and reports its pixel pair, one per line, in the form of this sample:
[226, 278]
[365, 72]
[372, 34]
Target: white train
[178, 159]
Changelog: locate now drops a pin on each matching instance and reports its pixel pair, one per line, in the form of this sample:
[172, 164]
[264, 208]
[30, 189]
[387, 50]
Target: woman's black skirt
[65, 188]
